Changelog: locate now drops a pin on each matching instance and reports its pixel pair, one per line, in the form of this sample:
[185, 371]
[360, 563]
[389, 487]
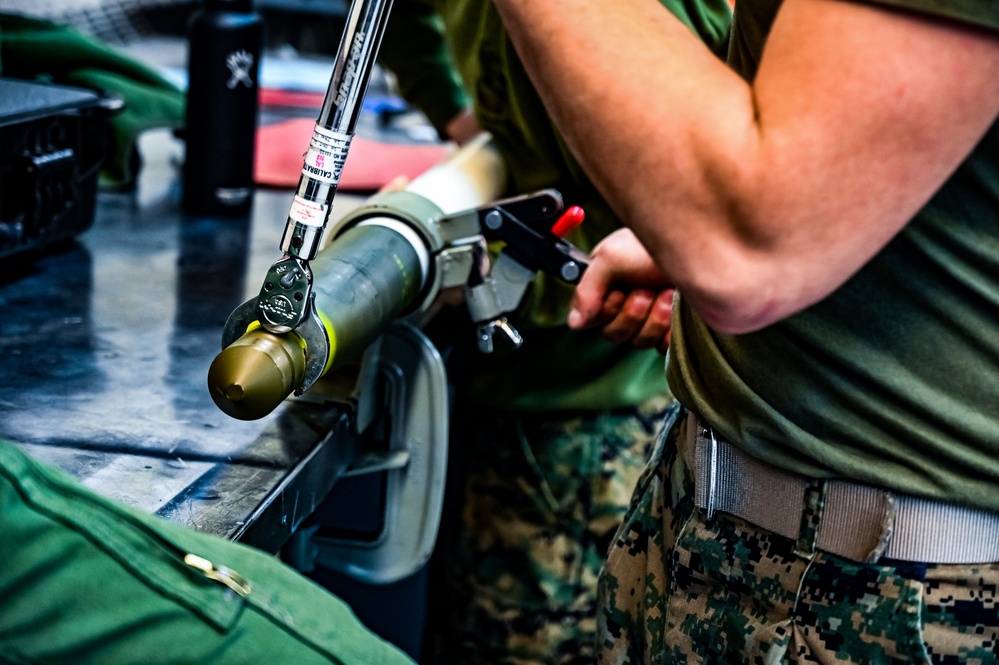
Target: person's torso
[893, 379]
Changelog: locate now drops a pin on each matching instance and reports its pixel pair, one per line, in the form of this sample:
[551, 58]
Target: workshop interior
[206, 325]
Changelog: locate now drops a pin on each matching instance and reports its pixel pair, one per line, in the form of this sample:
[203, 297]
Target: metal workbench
[104, 350]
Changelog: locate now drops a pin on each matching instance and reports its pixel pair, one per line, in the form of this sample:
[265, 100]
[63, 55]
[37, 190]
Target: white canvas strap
[858, 522]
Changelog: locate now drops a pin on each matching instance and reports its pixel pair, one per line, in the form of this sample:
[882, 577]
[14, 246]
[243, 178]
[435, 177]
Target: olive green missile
[375, 270]
[367, 278]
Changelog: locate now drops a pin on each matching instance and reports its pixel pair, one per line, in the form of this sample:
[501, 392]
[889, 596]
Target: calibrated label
[310, 213]
[326, 155]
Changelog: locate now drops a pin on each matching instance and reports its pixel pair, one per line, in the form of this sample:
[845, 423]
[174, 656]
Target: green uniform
[893, 381]
[678, 588]
[85, 580]
[557, 430]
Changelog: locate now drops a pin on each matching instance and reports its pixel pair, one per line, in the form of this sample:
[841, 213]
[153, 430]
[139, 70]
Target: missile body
[380, 265]
[366, 280]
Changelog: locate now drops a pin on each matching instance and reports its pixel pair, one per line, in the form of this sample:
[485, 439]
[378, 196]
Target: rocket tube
[372, 273]
[365, 280]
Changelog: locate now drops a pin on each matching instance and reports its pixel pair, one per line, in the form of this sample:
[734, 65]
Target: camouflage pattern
[681, 589]
[543, 498]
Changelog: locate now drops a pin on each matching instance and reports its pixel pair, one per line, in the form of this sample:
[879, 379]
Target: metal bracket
[284, 297]
[415, 404]
[311, 329]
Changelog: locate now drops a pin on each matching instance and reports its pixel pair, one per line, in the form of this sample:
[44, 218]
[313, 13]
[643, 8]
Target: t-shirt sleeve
[983, 13]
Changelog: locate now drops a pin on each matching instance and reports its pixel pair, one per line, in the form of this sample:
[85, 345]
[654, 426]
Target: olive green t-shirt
[556, 368]
[893, 379]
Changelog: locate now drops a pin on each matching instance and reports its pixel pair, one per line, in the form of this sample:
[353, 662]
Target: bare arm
[759, 200]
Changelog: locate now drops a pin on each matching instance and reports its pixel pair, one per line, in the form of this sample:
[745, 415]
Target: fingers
[613, 304]
[627, 322]
[655, 331]
[624, 293]
[589, 306]
[643, 320]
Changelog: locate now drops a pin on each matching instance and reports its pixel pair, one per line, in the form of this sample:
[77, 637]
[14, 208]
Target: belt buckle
[706, 462]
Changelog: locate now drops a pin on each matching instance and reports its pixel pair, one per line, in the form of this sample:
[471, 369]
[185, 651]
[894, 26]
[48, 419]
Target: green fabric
[86, 580]
[976, 12]
[893, 379]
[414, 50]
[542, 494]
[556, 368]
[37, 49]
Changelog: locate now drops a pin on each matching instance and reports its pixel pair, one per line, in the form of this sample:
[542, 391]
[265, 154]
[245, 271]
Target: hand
[624, 293]
[463, 127]
[396, 184]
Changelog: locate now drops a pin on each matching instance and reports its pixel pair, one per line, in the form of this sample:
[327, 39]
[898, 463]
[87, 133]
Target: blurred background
[308, 25]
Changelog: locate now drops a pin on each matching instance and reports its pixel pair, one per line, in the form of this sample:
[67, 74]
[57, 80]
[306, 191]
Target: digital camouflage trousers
[541, 500]
[681, 589]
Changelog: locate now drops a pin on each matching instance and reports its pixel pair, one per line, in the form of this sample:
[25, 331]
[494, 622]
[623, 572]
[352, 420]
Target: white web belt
[858, 522]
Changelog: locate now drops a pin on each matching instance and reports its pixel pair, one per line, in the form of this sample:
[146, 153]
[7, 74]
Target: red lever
[569, 220]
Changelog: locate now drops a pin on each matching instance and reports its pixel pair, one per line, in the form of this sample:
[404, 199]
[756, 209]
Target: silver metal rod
[324, 160]
[283, 303]
[366, 23]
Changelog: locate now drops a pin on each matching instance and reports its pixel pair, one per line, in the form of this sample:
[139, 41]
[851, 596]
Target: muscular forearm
[758, 200]
[603, 71]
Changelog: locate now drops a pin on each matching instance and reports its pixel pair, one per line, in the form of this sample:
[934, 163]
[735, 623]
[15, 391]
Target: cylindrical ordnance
[376, 270]
[369, 277]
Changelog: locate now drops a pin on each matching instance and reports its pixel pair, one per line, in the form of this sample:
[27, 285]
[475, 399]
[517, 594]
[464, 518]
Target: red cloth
[293, 98]
[369, 166]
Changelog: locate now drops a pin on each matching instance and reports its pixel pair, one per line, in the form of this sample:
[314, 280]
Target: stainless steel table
[104, 352]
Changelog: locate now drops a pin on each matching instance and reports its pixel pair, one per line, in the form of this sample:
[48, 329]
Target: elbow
[740, 264]
[746, 275]
[737, 318]
[737, 297]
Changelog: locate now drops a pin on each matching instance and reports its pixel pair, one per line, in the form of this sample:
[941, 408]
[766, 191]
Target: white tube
[472, 177]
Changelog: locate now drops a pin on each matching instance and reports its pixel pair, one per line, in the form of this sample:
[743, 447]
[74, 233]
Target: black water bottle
[225, 43]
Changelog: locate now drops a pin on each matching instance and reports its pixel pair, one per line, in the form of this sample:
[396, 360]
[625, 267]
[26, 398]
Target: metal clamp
[311, 330]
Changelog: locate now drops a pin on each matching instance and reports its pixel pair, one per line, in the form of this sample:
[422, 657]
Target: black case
[53, 140]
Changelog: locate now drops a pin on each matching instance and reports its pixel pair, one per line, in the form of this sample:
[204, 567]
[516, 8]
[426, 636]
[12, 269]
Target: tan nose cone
[254, 374]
